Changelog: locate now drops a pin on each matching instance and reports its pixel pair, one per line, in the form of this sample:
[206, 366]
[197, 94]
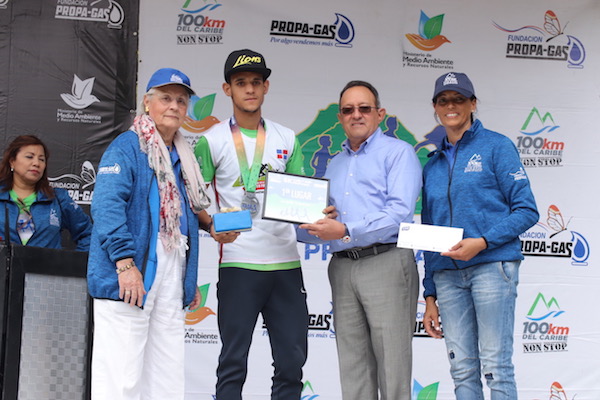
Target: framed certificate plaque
[295, 198]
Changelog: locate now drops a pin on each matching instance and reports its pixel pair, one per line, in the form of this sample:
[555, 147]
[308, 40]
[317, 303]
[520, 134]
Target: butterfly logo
[556, 221]
[552, 25]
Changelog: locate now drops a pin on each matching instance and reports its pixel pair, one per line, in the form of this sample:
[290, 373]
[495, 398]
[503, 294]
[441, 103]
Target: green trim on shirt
[263, 267]
[295, 164]
[202, 152]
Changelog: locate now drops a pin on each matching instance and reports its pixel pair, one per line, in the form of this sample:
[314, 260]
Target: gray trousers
[374, 308]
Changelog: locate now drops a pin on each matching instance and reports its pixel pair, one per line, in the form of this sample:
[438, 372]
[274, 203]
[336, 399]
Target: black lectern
[46, 324]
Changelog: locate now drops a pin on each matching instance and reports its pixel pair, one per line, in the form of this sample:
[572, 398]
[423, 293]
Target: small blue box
[235, 221]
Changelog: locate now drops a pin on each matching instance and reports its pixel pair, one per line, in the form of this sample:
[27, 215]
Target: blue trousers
[477, 308]
[281, 299]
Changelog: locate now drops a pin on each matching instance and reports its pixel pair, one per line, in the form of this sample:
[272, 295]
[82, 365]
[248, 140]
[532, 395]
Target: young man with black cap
[259, 272]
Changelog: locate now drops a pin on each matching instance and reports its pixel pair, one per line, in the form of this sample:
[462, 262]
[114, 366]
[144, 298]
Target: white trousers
[138, 354]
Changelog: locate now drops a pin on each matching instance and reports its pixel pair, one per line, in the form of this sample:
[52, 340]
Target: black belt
[360, 252]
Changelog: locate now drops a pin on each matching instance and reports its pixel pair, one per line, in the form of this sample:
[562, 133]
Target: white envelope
[428, 237]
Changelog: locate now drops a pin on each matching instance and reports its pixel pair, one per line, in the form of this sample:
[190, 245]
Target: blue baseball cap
[169, 76]
[456, 81]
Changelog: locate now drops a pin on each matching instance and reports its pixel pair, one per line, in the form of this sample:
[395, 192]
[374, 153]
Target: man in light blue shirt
[374, 184]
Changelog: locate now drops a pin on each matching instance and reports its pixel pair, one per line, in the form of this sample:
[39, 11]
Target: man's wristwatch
[346, 238]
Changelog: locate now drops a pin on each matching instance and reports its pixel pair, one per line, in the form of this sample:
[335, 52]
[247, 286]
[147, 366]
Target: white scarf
[159, 160]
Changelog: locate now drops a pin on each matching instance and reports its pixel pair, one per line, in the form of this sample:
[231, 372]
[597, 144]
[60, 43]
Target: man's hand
[326, 229]
[466, 249]
[224, 237]
[330, 212]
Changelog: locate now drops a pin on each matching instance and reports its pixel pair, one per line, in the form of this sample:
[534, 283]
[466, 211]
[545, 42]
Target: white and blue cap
[169, 76]
[456, 81]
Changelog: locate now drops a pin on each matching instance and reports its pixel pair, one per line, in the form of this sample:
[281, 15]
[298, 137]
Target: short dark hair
[367, 85]
[10, 154]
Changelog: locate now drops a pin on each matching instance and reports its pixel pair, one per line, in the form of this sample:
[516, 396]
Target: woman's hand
[131, 284]
[196, 301]
[431, 318]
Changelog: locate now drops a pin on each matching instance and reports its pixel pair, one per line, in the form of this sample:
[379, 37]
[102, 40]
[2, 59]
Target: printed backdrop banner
[534, 67]
[69, 75]
[71, 69]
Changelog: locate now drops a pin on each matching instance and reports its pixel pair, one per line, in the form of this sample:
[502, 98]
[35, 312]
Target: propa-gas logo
[543, 330]
[339, 33]
[548, 42]
[535, 149]
[108, 11]
[553, 238]
[195, 27]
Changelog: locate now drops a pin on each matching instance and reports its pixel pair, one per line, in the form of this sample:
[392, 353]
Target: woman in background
[37, 213]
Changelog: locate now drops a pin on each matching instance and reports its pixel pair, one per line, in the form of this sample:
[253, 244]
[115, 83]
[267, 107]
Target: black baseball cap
[246, 60]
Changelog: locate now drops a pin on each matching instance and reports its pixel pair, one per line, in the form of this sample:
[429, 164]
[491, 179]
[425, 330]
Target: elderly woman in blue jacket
[475, 181]
[143, 262]
[37, 213]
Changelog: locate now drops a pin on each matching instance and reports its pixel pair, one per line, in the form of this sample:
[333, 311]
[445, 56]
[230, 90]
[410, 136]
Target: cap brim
[265, 72]
[189, 89]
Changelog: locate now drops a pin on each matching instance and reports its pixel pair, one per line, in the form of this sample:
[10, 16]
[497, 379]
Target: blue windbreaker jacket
[50, 217]
[485, 191]
[125, 212]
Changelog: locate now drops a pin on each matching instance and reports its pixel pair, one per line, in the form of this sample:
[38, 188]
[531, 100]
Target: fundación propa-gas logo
[108, 11]
[535, 149]
[340, 33]
[541, 331]
[548, 42]
[196, 27]
[553, 238]
[79, 186]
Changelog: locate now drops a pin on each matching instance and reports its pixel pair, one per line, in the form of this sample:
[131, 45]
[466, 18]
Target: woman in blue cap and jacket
[475, 181]
[142, 268]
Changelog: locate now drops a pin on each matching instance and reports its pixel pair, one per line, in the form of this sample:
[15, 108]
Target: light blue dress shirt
[374, 189]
